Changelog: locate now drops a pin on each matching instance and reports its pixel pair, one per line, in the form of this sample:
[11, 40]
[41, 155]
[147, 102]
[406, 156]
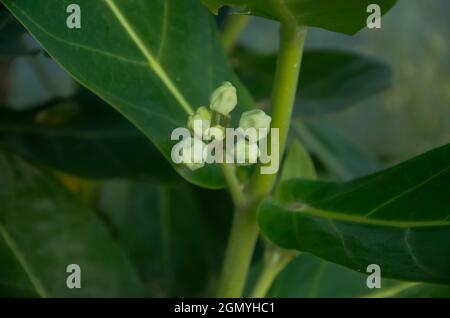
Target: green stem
[244, 230]
[243, 235]
[292, 41]
[235, 24]
[241, 242]
[237, 195]
[274, 262]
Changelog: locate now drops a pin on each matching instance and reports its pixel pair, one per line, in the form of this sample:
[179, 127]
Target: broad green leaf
[11, 33]
[397, 218]
[310, 277]
[46, 229]
[298, 164]
[344, 16]
[85, 137]
[342, 158]
[171, 233]
[154, 61]
[330, 81]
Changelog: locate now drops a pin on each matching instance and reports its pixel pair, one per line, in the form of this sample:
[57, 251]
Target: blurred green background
[412, 116]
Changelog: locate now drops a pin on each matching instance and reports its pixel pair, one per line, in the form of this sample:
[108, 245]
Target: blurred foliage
[330, 80]
[11, 32]
[170, 233]
[414, 114]
[83, 136]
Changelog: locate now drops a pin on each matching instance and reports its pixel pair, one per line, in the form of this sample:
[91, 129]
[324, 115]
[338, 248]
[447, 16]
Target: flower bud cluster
[205, 125]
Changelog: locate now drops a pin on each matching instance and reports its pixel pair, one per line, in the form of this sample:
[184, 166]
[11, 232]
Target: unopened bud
[256, 119]
[192, 153]
[216, 132]
[200, 121]
[224, 99]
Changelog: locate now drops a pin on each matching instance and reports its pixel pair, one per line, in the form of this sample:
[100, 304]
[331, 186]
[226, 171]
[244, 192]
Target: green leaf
[330, 80]
[11, 33]
[171, 234]
[397, 218]
[413, 290]
[342, 158]
[45, 228]
[14, 282]
[344, 16]
[154, 61]
[298, 164]
[84, 136]
[311, 277]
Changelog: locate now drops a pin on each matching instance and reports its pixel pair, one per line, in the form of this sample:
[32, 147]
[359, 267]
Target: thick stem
[292, 41]
[243, 235]
[274, 263]
[244, 230]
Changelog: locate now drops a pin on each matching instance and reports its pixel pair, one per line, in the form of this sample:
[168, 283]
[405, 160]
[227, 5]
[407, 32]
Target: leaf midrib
[152, 61]
[363, 220]
[407, 191]
[370, 180]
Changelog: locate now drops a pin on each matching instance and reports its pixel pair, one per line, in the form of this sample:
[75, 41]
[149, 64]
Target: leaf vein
[20, 257]
[363, 220]
[342, 239]
[415, 187]
[152, 62]
[164, 30]
[81, 46]
[413, 255]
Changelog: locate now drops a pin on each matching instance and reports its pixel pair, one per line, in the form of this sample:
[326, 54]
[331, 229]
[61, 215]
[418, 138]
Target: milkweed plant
[183, 163]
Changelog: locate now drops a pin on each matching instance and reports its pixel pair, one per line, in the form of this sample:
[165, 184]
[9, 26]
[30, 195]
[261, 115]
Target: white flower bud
[256, 119]
[192, 153]
[216, 132]
[200, 121]
[246, 152]
[224, 99]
